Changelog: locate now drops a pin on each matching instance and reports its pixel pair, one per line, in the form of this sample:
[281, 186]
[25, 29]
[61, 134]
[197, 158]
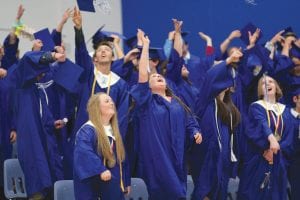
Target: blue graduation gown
[6, 91]
[293, 170]
[118, 91]
[32, 136]
[246, 86]
[88, 165]
[127, 72]
[10, 53]
[255, 166]
[213, 155]
[197, 68]
[186, 91]
[162, 140]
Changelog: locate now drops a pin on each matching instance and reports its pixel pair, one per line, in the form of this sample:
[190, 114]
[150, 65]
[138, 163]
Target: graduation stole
[277, 120]
[232, 155]
[108, 85]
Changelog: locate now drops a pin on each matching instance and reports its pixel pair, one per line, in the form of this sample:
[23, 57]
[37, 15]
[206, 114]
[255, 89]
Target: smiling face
[268, 86]
[157, 82]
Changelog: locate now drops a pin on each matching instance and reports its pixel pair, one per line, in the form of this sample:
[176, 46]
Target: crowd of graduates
[154, 113]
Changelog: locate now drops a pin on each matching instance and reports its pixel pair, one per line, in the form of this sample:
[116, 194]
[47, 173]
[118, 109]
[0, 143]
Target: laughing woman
[164, 123]
[270, 136]
[99, 156]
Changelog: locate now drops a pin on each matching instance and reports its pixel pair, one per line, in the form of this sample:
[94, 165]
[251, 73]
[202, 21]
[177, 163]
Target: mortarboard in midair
[86, 5]
[244, 32]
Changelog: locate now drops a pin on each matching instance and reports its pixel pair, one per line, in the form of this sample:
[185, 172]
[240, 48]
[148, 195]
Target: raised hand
[277, 38]
[234, 34]
[177, 25]
[20, 12]
[116, 39]
[77, 19]
[67, 14]
[253, 37]
[131, 55]
[204, 36]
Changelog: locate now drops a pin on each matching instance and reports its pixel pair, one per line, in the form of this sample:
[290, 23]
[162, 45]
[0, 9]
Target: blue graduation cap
[244, 32]
[67, 75]
[101, 36]
[86, 5]
[45, 36]
[156, 54]
[288, 31]
[131, 42]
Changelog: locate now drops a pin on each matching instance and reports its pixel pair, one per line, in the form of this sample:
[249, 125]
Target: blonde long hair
[103, 146]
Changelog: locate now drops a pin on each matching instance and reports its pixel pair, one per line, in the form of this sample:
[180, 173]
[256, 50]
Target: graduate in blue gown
[99, 154]
[217, 117]
[165, 126]
[97, 77]
[293, 170]
[34, 122]
[8, 57]
[269, 135]
[179, 73]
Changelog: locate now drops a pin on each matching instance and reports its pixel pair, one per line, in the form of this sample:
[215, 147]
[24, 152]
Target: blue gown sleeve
[290, 134]
[257, 126]
[282, 64]
[120, 68]
[174, 67]
[87, 162]
[10, 53]
[56, 36]
[216, 80]
[141, 94]
[192, 127]
[82, 57]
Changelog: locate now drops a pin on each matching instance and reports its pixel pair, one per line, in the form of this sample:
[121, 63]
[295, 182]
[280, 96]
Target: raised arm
[56, 34]
[224, 45]
[82, 56]
[118, 49]
[144, 60]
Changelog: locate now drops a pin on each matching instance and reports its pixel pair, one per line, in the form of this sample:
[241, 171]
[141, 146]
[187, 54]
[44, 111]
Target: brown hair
[103, 145]
[261, 92]
[103, 43]
[227, 108]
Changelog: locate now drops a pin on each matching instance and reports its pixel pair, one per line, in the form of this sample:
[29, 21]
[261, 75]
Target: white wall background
[40, 14]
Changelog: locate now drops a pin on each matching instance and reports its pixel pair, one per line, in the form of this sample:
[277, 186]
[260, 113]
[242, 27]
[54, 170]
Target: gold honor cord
[94, 85]
[277, 136]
